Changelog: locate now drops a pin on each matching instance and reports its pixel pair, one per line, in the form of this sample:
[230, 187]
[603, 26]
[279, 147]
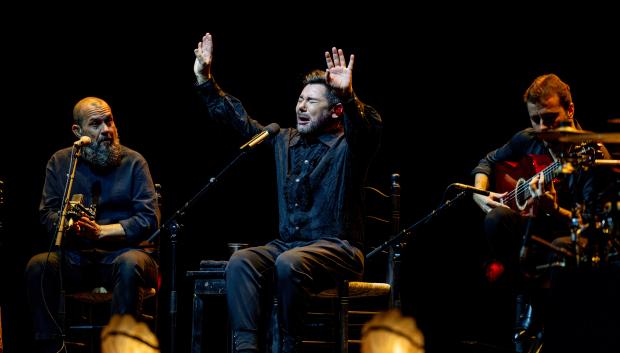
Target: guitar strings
[584, 149]
[525, 187]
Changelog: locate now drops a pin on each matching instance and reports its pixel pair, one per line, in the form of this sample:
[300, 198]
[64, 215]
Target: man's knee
[131, 264]
[287, 265]
[238, 263]
[497, 215]
[38, 263]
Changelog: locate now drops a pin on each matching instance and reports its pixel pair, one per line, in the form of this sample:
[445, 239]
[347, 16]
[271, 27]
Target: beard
[313, 126]
[103, 155]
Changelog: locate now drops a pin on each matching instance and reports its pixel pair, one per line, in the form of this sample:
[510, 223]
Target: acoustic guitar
[514, 177]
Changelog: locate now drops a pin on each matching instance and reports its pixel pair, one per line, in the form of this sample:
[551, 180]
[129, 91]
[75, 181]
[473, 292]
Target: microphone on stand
[269, 131]
[83, 141]
[472, 189]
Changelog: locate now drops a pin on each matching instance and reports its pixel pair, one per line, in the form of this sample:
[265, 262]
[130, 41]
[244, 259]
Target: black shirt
[319, 179]
[585, 186]
[124, 194]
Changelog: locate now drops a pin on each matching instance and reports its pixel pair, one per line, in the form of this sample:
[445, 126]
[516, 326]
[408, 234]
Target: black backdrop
[449, 90]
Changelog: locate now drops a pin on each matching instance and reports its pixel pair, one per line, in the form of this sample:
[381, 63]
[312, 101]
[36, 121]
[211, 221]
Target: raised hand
[204, 56]
[339, 75]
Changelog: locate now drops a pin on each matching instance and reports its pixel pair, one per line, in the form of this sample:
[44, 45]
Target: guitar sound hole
[522, 194]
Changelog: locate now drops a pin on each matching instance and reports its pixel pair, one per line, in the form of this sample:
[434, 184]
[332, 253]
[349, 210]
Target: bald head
[90, 106]
[92, 117]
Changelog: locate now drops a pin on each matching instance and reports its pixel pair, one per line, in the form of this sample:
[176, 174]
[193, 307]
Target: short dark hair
[318, 77]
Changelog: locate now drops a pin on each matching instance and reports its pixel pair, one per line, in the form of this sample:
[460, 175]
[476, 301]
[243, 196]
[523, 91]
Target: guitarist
[547, 211]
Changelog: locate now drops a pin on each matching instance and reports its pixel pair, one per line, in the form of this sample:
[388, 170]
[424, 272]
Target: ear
[337, 110]
[571, 111]
[77, 130]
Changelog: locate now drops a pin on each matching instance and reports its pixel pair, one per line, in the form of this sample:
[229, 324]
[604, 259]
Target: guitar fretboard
[523, 191]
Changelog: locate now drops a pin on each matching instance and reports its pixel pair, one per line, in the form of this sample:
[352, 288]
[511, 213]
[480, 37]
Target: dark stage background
[448, 92]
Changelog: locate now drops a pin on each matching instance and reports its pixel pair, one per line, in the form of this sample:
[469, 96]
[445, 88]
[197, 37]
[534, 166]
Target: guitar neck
[549, 172]
[511, 177]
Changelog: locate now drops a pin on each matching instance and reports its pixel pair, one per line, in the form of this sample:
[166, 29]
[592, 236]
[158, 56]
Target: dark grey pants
[290, 270]
[123, 272]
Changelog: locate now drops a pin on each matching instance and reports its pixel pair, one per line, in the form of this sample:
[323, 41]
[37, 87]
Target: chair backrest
[1, 207]
[159, 198]
[389, 226]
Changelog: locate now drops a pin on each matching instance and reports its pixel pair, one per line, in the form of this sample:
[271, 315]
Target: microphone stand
[67, 194]
[173, 227]
[393, 267]
[397, 238]
[60, 227]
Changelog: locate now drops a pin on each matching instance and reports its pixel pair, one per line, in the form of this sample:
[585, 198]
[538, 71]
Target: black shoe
[522, 337]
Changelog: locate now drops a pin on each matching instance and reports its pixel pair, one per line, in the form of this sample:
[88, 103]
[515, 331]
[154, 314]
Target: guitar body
[514, 177]
[509, 173]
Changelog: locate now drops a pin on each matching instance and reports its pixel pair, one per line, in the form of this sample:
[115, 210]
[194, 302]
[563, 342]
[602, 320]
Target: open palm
[339, 75]
[204, 56]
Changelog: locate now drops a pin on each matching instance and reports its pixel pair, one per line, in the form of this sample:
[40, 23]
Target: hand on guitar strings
[543, 196]
[487, 203]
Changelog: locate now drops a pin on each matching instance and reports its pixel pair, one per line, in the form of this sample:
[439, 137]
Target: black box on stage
[210, 329]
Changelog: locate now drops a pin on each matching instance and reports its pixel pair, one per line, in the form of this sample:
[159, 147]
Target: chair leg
[197, 313]
[275, 338]
[344, 325]
[343, 317]
[91, 334]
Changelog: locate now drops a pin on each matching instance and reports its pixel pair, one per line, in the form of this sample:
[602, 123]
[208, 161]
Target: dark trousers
[291, 270]
[123, 272]
[509, 236]
[505, 229]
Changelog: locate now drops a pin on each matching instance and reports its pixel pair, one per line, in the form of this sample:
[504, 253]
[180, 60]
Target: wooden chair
[335, 317]
[87, 312]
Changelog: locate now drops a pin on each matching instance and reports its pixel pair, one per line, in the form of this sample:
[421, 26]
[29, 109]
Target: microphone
[270, 130]
[472, 189]
[83, 141]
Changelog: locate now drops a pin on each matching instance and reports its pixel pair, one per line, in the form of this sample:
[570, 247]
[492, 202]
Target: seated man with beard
[95, 252]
